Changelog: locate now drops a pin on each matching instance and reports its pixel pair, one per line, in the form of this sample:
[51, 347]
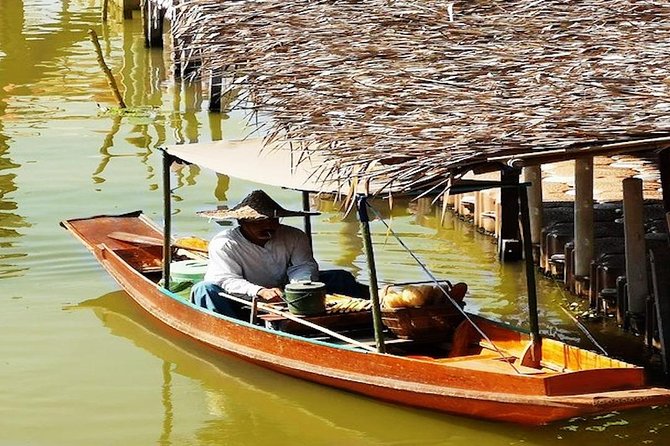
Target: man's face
[260, 231]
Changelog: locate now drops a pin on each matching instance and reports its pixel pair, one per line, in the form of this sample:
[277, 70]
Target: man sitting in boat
[260, 256]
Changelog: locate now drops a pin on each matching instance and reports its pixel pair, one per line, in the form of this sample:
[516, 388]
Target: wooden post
[498, 212]
[533, 175]
[308, 219]
[152, 24]
[661, 283]
[374, 289]
[477, 210]
[457, 204]
[583, 216]
[167, 220]
[215, 92]
[105, 10]
[128, 7]
[144, 10]
[636, 258]
[664, 168]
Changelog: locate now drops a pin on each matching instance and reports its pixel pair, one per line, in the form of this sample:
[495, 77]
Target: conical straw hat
[256, 206]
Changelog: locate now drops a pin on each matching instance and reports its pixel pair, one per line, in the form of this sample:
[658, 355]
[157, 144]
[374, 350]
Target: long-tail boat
[483, 369]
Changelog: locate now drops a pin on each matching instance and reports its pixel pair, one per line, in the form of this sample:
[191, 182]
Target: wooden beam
[552, 156]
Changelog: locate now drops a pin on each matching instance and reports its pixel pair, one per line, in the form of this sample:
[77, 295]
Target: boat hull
[492, 392]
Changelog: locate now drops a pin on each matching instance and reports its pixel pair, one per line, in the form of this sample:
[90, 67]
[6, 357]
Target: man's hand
[270, 294]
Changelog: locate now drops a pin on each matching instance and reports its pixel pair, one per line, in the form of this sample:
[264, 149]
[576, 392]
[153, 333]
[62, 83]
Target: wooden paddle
[138, 239]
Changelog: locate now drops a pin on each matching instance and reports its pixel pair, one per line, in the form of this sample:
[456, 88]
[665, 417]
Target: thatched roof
[428, 85]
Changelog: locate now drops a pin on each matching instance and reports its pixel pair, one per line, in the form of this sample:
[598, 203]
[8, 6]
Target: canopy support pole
[374, 288]
[167, 220]
[535, 338]
[509, 249]
[308, 218]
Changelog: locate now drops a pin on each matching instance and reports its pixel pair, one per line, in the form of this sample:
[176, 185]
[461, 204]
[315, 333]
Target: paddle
[152, 241]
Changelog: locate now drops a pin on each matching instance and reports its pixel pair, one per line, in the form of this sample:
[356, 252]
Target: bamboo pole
[105, 9]
[108, 73]
[374, 288]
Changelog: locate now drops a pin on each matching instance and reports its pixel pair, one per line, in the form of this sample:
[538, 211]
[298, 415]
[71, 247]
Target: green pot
[306, 298]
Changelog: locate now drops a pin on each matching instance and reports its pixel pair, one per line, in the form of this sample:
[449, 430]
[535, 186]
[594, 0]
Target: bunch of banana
[344, 304]
[194, 243]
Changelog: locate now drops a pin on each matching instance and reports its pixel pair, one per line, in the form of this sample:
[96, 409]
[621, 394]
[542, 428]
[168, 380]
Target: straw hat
[256, 206]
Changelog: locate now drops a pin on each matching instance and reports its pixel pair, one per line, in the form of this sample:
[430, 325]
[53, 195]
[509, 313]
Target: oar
[287, 315]
[148, 240]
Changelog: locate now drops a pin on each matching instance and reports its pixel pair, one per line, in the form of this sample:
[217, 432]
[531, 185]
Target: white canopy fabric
[274, 165]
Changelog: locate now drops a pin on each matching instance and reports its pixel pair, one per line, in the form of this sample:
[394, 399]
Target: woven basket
[422, 324]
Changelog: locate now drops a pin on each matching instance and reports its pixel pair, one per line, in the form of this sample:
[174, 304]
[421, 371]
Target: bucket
[188, 271]
[306, 298]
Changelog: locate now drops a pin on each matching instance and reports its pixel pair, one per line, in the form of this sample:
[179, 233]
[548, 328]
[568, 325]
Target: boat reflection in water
[250, 405]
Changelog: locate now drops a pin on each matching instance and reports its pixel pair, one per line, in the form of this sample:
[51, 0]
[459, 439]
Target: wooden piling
[533, 175]
[636, 258]
[664, 168]
[152, 24]
[215, 87]
[583, 216]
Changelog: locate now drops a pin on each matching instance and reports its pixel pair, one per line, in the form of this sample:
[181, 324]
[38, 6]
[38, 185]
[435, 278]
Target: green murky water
[80, 364]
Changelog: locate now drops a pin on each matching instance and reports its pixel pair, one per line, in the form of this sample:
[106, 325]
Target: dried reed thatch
[420, 87]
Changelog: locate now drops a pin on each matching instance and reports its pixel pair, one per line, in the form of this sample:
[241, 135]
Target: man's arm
[227, 273]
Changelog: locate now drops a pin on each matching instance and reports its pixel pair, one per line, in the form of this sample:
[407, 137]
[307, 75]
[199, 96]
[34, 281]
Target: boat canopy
[275, 164]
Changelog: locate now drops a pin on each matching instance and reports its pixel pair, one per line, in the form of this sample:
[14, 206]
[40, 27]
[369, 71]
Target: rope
[579, 325]
[444, 291]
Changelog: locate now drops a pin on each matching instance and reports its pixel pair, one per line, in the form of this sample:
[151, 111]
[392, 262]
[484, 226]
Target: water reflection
[249, 405]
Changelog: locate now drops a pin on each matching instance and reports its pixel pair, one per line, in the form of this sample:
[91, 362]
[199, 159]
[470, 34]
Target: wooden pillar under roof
[533, 175]
[664, 167]
[215, 88]
[660, 280]
[583, 221]
[636, 256]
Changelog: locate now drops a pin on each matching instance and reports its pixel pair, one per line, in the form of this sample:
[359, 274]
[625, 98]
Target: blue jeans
[206, 295]
[338, 281]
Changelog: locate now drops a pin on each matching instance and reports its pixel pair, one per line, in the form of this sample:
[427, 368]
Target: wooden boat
[484, 377]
